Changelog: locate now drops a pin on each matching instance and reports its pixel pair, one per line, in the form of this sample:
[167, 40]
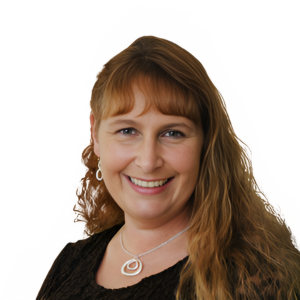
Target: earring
[99, 166]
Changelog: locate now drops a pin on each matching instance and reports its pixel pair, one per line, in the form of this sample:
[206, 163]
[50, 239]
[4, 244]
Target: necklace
[138, 264]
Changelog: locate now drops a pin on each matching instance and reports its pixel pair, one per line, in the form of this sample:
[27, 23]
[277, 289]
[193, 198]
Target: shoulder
[93, 242]
[84, 247]
[71, 256]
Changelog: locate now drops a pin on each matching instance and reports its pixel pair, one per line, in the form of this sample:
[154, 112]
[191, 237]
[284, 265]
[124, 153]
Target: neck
[141, 236]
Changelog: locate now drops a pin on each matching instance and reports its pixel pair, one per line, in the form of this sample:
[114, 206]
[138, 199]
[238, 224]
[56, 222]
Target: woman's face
[150, 162]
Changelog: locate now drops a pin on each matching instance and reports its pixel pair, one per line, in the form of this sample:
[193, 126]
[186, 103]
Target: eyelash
[177, 133]
[131, 129]
[124, 130]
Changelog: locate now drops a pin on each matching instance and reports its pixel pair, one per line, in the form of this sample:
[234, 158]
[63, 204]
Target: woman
[169, 199]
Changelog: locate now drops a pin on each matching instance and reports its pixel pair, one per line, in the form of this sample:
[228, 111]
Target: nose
[148, 156]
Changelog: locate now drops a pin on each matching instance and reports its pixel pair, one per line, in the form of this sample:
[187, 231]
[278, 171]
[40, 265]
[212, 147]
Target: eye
[127, 131]
[174, 134]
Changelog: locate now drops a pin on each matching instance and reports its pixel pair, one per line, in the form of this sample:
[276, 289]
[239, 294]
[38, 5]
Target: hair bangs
[161, 92]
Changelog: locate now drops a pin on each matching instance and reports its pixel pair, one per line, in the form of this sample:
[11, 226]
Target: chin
[148, 214]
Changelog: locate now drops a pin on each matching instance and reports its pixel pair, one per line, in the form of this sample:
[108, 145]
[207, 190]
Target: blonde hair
[239, 247]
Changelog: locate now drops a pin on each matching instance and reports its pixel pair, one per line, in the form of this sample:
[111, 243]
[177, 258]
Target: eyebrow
[131, 122]
[122, 121]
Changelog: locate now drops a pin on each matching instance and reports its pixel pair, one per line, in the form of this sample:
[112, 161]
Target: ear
[94, 135]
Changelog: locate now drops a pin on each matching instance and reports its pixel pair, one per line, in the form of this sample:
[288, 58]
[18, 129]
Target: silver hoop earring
[99, 169]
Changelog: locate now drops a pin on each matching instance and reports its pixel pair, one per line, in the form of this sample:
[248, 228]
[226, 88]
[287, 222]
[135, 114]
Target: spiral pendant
[127, 266]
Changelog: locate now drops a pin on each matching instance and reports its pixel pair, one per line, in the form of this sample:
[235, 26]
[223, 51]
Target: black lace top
[72, 275]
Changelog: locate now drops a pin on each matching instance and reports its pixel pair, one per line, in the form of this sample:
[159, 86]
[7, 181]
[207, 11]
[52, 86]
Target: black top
[73, 273]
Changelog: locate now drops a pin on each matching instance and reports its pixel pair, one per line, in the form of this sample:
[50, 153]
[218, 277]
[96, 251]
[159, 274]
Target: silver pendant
[138, 267]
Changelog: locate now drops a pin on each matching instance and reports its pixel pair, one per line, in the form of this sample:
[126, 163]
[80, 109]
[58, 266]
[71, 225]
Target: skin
[151, 146]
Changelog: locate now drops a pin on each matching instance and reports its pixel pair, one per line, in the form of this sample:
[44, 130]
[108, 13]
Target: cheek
[185, 161]
[114, 159]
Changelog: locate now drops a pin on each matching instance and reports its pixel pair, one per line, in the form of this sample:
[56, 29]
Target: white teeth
[148, 184]
[151, 184]
[144, 184]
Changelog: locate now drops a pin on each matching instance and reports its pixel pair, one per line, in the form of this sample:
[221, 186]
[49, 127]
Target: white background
[51, 52]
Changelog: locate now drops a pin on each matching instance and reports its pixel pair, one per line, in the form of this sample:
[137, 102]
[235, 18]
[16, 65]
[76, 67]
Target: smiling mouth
[149, 184]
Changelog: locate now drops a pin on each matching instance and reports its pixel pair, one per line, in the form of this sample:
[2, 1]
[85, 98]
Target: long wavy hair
[239, 246]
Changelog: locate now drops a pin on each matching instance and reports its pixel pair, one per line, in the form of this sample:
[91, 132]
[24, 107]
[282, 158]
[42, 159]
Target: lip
[148, 180]
[148, 191]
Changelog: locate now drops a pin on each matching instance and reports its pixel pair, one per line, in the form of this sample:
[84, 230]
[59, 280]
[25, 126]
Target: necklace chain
[137, 256]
